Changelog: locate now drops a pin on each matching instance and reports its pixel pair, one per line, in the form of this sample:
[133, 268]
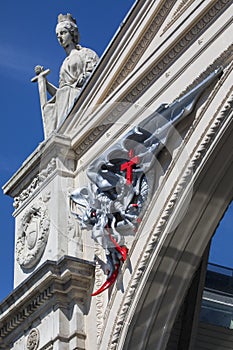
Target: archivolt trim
[182, 7]
[218, 120]
[99, 297]
[154, 72]
[178, 47]
[151, 31]
[146, 39]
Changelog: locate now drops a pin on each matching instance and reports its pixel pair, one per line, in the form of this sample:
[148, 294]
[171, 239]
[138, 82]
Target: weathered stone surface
[58, 291]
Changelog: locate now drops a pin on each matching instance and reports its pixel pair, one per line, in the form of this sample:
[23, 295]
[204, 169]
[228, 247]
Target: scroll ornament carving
[33, 235]
[37, 181]
[33, 339]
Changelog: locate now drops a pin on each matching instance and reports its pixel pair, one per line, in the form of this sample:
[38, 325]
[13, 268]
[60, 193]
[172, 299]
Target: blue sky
[28, 39]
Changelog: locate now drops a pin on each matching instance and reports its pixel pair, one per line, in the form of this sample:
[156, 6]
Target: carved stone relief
[36, 182]
[33, 339]
[99, 299]
[32, 235]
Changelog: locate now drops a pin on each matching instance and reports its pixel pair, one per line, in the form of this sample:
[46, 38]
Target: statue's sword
[42, 82]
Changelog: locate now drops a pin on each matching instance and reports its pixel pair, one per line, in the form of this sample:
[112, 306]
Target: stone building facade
[163, 50]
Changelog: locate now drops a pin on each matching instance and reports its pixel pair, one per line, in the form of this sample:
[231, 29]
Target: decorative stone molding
[175, 50]
[154, 71]
[99, 298]
[217, 122]
[184, 42]
[21, 315]
[47, 347]
[33, 235]
[182, 7]
[223, 60]
[33, 339]
[36, 182]
[59, 284]
[144, 42]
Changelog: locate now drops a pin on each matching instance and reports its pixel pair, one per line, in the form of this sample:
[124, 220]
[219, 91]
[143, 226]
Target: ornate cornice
[183, 42]
[59, 283]
[152, 73]
[39, 166]
[222, 114]
[182, 7]
[177, 48]
[144, 41]
[23, 313]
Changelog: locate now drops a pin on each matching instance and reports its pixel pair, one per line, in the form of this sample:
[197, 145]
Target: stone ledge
[54, 147]
[54, 284]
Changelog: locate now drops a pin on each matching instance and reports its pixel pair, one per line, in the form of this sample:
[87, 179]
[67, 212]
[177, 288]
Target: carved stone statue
[74, 72]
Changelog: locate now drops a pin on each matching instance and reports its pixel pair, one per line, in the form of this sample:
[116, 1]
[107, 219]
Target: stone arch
[181, 256]
[170, 258]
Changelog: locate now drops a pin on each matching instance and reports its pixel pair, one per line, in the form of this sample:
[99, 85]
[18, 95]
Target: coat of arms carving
[32, 236]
